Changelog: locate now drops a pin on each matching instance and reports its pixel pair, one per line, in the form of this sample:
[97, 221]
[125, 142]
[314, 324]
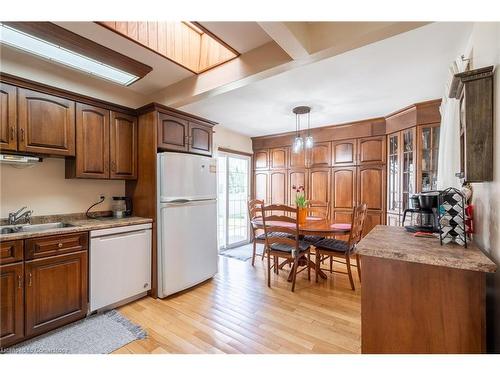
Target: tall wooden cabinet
[412, 153]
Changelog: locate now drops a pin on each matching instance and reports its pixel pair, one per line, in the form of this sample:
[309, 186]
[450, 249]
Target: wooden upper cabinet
[200, 139]
[56, 291]
[278, 158]
[261, 185]
[46, 124]
[261, 159]
[8, 117]
[371, 150]
[123, 146]
[343, 187]
[344, 153]
[11, 304]
[92, 142]
[296, 177]
[319, 184]
[320, 155]
[172, 133]
[297, 160]
[371, 186]
[277, 187]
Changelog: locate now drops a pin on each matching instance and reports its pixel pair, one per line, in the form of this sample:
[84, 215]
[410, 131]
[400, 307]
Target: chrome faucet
[19, 215]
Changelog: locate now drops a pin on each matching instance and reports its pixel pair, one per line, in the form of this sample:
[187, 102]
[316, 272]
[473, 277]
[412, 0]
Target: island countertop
[396, 243]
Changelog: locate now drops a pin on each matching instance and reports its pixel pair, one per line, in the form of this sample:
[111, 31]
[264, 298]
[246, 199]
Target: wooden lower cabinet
[11, 304]
[319, 184]
[56, 291]
[277, 187]
[261, 185]
[296, 178]
[373, 218]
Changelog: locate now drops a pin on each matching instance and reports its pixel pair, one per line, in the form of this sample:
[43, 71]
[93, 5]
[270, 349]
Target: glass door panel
[408, 172]
[233, 194]
[394, 174]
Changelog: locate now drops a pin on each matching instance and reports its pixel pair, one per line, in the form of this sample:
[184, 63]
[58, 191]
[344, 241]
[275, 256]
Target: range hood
[19, 159]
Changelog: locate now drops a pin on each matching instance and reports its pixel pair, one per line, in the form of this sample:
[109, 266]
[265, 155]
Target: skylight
[20, 40]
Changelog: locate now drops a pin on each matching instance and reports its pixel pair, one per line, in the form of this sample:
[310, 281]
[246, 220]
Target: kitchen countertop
[80, 223]
[396, 243]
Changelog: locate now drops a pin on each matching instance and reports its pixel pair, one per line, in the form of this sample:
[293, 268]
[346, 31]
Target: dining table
[313, 226]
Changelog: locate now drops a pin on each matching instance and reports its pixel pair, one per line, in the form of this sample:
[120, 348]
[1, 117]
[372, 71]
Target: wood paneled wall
[181, 42]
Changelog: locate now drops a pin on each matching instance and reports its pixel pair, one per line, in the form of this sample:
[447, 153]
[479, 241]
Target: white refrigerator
[187, 221]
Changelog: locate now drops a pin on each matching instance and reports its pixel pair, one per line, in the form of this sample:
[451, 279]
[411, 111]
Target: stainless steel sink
[6, 229]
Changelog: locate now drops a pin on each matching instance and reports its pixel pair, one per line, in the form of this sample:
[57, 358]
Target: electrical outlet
[102, 197]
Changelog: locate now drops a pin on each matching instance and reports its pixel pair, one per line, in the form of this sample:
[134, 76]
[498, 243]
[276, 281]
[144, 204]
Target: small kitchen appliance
[425, 205]
[122, 207]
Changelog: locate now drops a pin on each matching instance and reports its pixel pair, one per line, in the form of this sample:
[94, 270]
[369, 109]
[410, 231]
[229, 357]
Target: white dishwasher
[120, 265]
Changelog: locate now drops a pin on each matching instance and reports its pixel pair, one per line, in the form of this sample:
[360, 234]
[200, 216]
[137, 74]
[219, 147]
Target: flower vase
[302, 215]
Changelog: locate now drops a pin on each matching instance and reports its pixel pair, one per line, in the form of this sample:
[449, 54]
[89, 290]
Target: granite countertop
[396, 243]
[80, 222]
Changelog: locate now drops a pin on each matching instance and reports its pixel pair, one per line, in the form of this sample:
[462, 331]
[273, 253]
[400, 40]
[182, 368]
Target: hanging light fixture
[298, 142]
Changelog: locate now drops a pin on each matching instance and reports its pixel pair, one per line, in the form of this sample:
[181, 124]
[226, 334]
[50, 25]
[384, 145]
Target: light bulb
[309, 142]
[298, 143]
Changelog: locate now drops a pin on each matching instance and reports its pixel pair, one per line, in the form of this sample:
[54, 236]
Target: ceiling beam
[292, 37]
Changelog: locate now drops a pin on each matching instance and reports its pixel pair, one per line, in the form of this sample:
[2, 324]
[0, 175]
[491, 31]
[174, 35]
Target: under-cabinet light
[50, 51]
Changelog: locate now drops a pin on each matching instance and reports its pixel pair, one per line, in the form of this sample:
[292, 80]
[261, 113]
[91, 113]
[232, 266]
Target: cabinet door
[371, 187]
[427, 157]
[277, 187]
[344, 153]
[46, 124]
[298, 160]
[320, 155]
[261, 186]
[394, 173]
[371, 150]
[56, 291]
[373, 218]
[296, 177]
[342, 217]
[408, 162]
[11, 304]
[92, 142]
[278, 157]
[319, 184]
[123, 146]
[261, 159]
[172, 133]
[393, 220]
[11, 251]
[8, 117]
[343, 188]
[200, 139]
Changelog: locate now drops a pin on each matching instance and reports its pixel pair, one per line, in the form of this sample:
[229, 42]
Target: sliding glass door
[233, 175]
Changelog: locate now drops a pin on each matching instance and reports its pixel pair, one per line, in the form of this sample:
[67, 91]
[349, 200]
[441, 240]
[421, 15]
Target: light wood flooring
[236, 312]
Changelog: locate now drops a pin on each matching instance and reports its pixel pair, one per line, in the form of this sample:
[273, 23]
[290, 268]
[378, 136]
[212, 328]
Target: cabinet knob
[30, 279]
[60, 245]
[22, 135]
[19, 282]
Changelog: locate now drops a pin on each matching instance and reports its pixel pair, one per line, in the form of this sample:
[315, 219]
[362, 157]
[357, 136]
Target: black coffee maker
[425, 206]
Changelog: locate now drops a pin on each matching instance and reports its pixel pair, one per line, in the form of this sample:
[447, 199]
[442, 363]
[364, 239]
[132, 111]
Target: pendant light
[298, 142]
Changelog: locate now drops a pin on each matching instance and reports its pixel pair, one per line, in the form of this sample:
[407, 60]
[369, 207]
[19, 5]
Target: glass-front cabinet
[411, 167]
[429, 145]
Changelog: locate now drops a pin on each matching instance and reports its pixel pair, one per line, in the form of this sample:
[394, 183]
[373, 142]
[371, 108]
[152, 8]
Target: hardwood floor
[236, 312]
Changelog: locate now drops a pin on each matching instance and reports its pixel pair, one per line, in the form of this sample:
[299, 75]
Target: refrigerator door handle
[179, 201]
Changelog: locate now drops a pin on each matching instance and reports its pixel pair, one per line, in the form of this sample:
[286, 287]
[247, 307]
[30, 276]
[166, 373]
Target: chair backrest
[284, 222]
[318, 208]
[358, 221]
[254, 211]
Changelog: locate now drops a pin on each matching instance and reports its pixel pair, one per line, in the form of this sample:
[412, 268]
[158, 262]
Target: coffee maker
[425, 206]
[122, 207]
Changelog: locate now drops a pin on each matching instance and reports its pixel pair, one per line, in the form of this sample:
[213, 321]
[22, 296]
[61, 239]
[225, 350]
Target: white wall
[486, 198]
[44, 189]
[226, 138]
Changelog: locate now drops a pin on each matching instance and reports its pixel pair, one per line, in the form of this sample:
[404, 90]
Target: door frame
[239, 155]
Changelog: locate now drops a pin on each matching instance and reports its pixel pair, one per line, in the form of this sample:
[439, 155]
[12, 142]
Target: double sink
[7, 229]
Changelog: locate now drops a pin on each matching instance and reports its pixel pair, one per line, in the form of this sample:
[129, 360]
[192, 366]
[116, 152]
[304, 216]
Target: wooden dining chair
[335, 249]
[255, 211]
[289, 247]
[317, 209]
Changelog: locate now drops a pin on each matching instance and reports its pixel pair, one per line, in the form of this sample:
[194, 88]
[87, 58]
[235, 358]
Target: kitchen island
[420, 297]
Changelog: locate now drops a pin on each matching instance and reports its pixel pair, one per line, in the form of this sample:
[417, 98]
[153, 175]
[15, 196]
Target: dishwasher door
[120, 264]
